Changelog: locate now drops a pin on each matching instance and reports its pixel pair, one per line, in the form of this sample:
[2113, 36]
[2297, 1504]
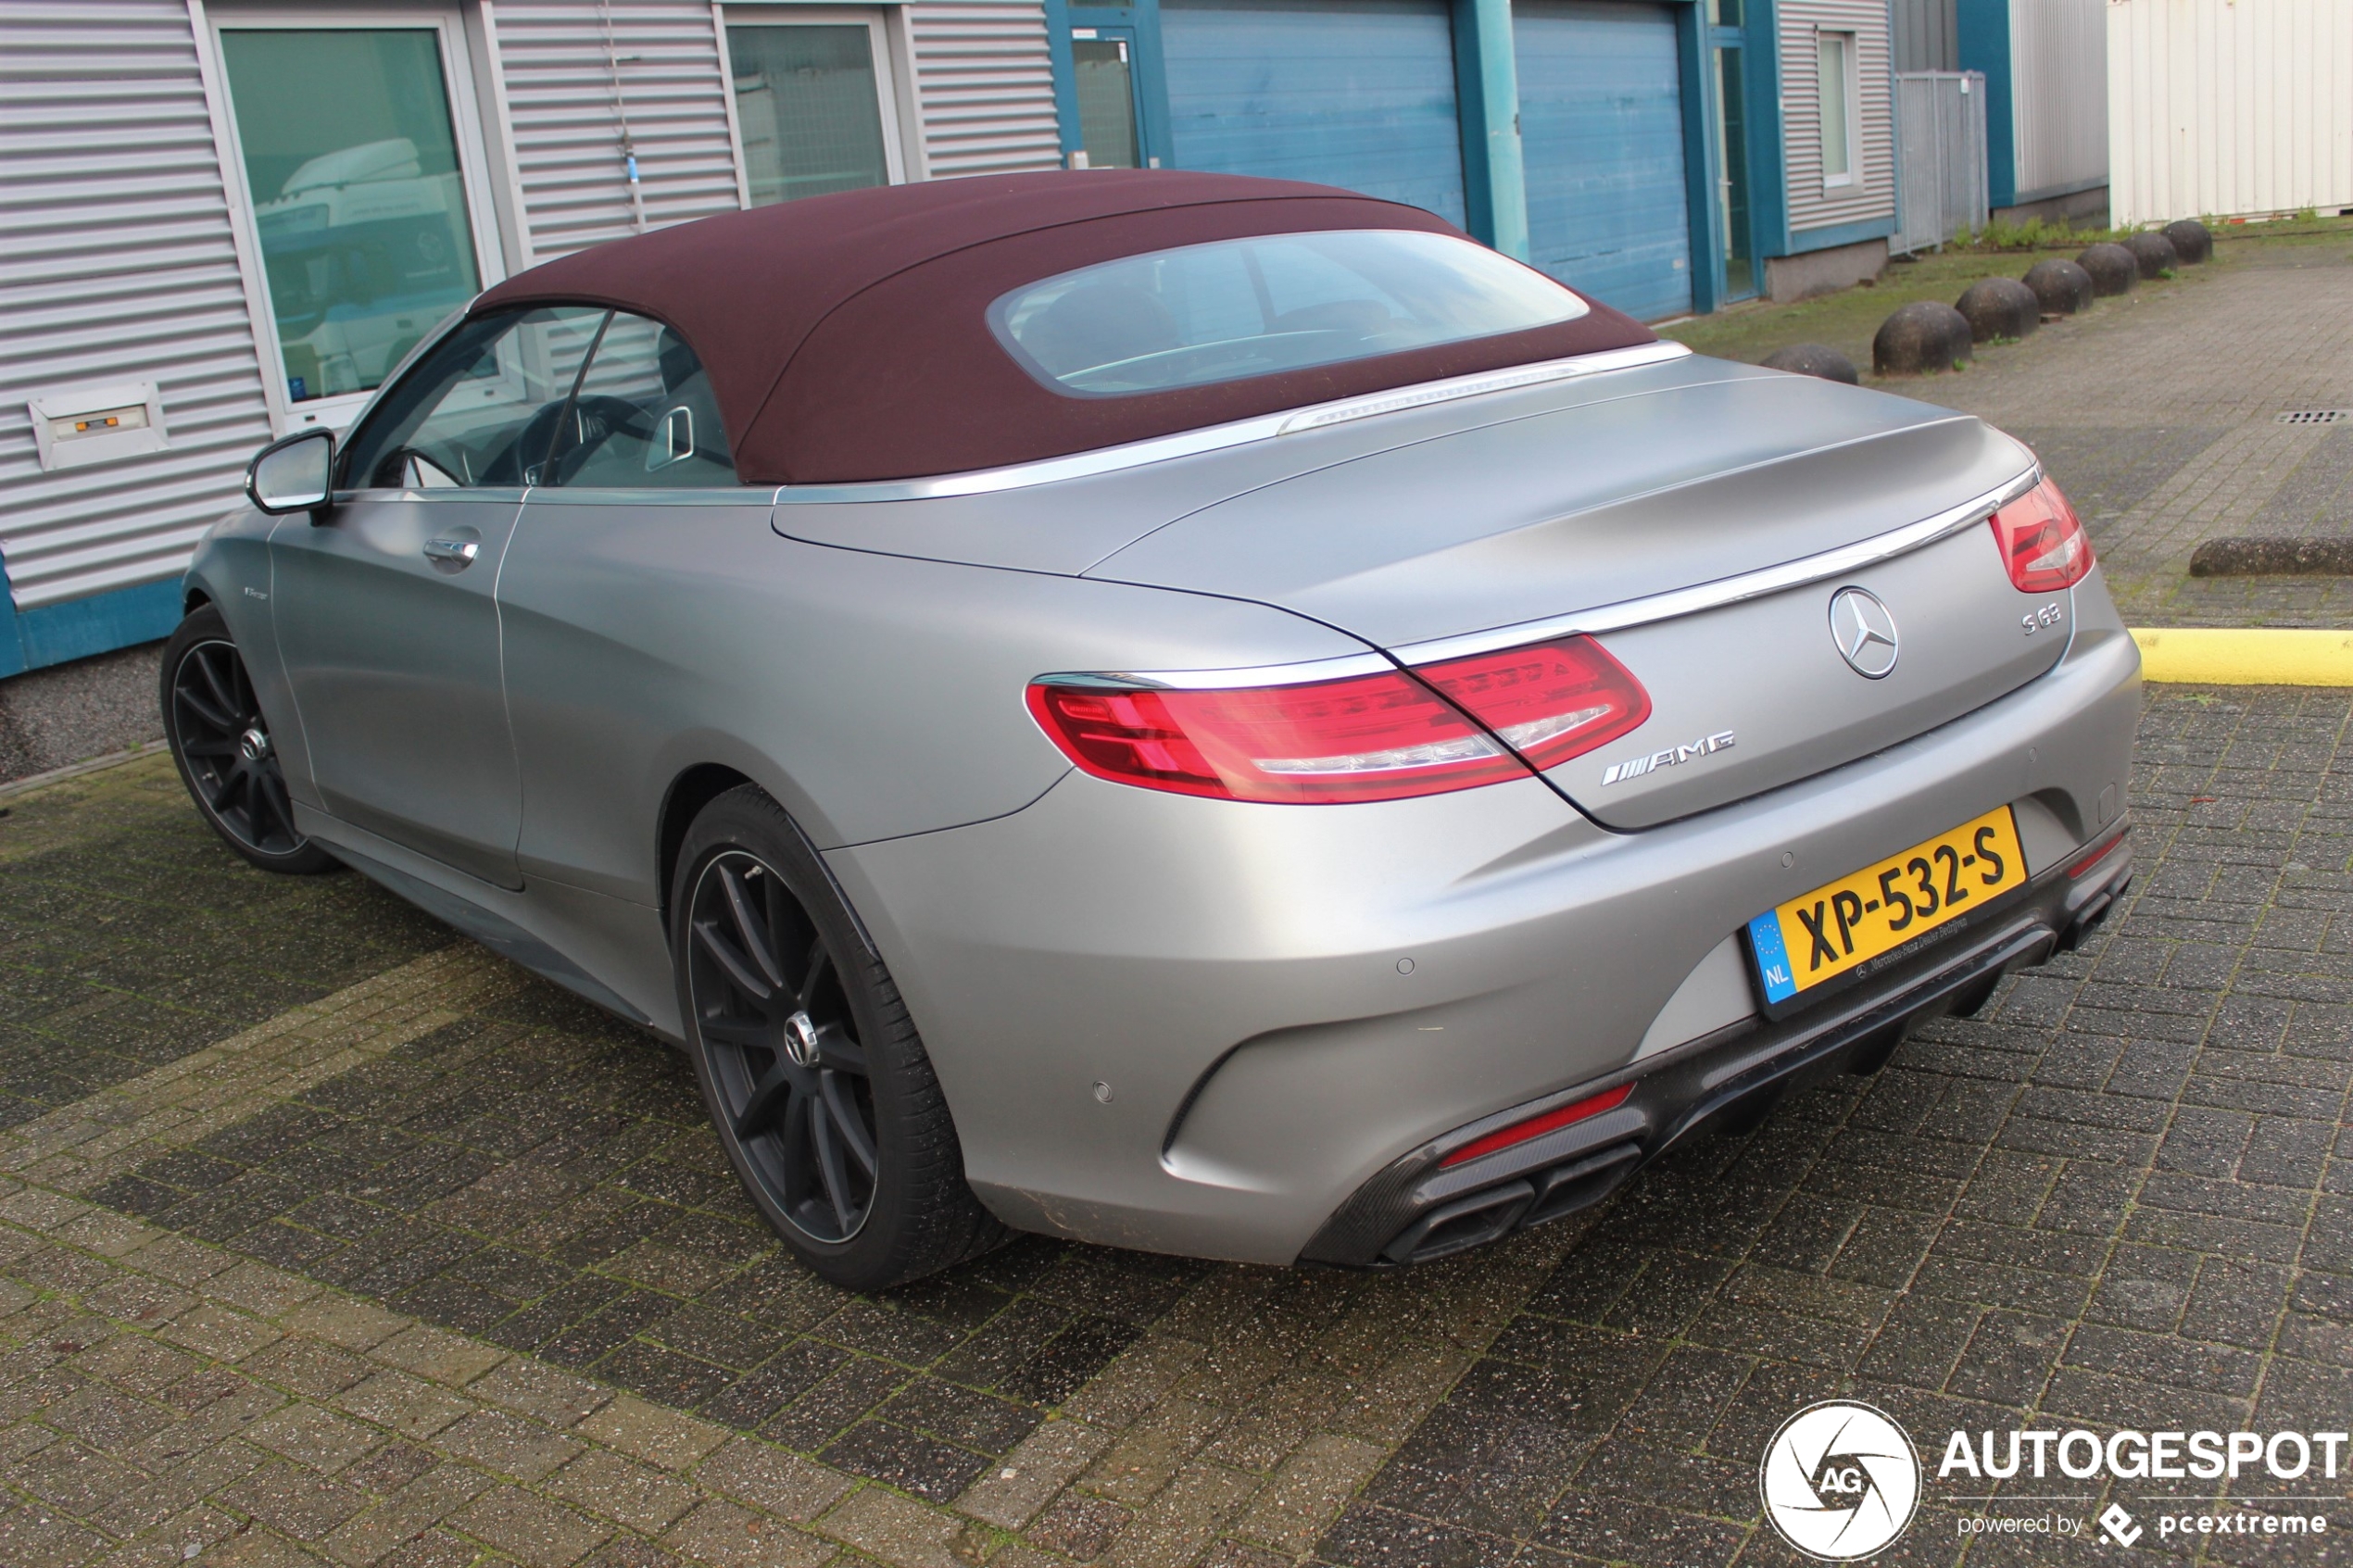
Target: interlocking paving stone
[128, 939]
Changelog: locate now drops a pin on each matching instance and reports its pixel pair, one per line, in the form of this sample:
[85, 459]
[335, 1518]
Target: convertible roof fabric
[846, 336]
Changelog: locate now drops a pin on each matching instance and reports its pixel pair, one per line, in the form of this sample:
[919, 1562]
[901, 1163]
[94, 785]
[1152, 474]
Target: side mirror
[294, 475]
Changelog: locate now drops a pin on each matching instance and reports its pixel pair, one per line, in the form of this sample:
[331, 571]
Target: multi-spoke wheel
[789, 1073]
[823, 1099]
[218, 737]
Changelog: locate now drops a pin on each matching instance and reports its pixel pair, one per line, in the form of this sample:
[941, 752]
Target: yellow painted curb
[2229, 656]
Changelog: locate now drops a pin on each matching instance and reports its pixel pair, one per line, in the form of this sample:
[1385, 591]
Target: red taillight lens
[1385, 736]
[1549, 701]
[2043, 541]
[1536, 1126]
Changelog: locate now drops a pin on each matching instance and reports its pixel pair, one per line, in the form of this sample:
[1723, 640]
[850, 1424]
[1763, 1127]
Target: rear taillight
[1548, 701]
[2043, 541]
[1384, 736]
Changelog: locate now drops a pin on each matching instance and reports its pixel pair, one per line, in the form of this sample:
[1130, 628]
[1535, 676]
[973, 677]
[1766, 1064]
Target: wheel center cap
[800, 1040]
[254, 745]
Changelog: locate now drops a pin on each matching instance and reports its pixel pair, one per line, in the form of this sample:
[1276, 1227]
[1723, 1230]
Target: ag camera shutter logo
[1840, 1480]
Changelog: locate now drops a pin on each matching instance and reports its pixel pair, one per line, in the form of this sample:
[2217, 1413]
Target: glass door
[1732, 209]
[357, 187]
[1103, 68]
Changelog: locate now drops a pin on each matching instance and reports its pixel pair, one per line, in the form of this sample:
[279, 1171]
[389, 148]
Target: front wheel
[823, 1095]
[220, 741]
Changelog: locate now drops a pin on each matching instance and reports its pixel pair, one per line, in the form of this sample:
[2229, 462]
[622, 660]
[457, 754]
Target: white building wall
[119, 265]
[2059, 95]
[121, 262]
[1811, 204]
[2229, 107]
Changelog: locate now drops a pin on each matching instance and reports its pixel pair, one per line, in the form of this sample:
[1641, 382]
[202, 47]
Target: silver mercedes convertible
[1195, 713]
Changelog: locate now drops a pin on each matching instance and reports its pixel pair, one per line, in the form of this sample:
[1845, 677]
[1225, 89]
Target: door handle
[452, 555]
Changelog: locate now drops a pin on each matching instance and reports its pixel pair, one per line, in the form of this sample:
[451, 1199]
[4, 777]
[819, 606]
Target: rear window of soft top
[1231, 309]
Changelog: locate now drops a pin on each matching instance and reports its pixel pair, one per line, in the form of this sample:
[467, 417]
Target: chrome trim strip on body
[1346, 667]
[1214, 438]
[1727, 590]
[1605, 618]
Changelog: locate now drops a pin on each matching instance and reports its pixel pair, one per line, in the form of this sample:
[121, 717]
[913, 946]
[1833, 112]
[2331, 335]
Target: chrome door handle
[454, 554]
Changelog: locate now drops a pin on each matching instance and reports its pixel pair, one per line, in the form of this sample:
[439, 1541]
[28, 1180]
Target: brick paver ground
[325, 1237]
[2159, 414]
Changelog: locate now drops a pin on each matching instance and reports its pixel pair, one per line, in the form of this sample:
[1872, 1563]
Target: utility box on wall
[98, 424]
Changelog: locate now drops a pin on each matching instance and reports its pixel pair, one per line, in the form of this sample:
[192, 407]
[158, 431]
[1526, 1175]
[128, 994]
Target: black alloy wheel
[789, 1073]
[818, 1085]
[213, 721]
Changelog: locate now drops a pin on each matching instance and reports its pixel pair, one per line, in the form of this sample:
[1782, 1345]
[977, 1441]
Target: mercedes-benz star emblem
[1864, 631]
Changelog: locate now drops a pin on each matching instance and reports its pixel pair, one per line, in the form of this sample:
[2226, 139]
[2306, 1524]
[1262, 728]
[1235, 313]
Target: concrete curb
[2230, 656]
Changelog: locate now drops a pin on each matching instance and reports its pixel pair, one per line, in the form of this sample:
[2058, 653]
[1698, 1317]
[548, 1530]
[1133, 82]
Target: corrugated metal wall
[986, 87]
[1812, 205]
[2225, 108]
[567, 97]
[119, 266]
[1928, 35]
[2059, 95]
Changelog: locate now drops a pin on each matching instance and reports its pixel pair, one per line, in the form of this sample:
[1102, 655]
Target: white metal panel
[1872, 194]
[119, 266]
[984, 86]
[2059, 95]
[574, 72]
[1939, 134]
[2223, 108]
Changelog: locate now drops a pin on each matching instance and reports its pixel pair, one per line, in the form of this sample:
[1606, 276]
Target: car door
[386, 606]
[620, 636]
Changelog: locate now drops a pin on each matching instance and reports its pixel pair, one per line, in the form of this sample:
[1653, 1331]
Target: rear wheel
[217, 735]
[811, 1069]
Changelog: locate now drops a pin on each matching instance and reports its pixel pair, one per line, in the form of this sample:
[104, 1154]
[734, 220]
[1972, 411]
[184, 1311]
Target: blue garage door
[1600, 114]
[1355, 93]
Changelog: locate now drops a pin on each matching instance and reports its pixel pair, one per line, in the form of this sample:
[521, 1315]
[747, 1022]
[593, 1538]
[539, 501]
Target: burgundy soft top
[846, 336]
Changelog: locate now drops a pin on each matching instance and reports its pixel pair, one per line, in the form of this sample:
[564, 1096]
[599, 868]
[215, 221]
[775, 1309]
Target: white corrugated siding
[2222, 109]
[117, 265]
[566, 117]
[985, 87]
[1812, 205]
[2059, 95]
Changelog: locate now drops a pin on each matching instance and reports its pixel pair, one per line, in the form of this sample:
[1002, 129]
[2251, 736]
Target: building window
[359, 204]
[1104, 76]
[1834, 62]
[813, 105]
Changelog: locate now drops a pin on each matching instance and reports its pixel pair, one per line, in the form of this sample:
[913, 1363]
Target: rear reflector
[1386, 736]
[2043, 541]
[1536, 1126]
[2093, 856]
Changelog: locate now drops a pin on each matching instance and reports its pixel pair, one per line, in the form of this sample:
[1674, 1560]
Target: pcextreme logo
[1840, 1480]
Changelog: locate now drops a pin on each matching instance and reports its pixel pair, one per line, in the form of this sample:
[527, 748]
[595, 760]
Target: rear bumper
[1419, 1209]
[1214, 1028]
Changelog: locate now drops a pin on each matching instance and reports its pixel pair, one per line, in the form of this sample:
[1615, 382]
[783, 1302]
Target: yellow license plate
[1842, 925]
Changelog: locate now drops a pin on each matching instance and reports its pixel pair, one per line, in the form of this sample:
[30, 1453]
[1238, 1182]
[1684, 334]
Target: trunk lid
[1571, 510]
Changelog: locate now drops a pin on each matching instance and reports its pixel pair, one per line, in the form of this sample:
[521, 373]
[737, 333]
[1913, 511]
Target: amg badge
[1674, 756]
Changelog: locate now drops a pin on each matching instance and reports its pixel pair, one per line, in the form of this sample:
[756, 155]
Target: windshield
[1236, 309]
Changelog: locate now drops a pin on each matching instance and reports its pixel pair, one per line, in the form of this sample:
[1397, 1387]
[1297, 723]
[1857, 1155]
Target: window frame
[1849, 106]
[887, 37]
[338, 412]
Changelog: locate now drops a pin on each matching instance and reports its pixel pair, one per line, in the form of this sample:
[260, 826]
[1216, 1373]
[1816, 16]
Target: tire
[811, 1069]
[220, 741]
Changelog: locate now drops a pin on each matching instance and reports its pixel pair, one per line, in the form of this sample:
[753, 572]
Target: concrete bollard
[1812, 360]
[2114, 269]
[2060, 287]
[1922, 338]
[2000, 307]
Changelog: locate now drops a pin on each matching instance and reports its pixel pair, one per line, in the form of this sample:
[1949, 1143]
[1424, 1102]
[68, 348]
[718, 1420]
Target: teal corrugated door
[1600, 114]
[1353, 92]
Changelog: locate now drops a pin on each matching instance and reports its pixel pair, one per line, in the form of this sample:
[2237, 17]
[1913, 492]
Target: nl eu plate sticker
[1772, 959]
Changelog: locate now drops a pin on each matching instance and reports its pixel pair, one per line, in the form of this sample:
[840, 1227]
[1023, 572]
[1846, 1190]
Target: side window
[482, 409]
[644, 416]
